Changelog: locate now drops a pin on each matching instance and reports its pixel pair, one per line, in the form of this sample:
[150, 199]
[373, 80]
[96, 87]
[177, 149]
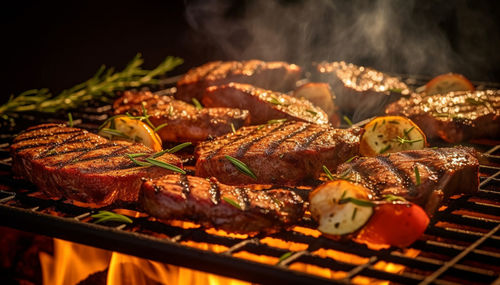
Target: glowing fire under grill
[461, 246]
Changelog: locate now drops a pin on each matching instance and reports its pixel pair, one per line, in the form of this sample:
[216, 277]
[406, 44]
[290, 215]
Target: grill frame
[27, 214]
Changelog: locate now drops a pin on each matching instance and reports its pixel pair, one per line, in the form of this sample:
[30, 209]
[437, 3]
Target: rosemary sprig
[393, 122]
[106, 216]
[232, 128]
[114, 133]
[232, 202]
[417, 176]
[347, 120]
[70, 120]
[386, 148]
[407, 132]
[242, 167]
[390, 198]
[351, 159]
[359, 202]
[312, 112]
[374, 126]
[354, 212]
[101, 87]
[160, 127]
[276, 121]
[197, 104]
[165, 165]
[328, 173]
[403, 140]
[284, 256]
[395, 90]
[178, 147]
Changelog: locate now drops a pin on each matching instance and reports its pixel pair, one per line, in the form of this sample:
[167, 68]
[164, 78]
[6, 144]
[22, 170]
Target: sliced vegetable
[127, 128]
[391, 134]
[321, 95]
[395, 223]
[331, 204]
[448, 82]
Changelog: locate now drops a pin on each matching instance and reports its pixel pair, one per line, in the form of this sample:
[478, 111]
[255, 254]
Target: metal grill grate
[461, 246]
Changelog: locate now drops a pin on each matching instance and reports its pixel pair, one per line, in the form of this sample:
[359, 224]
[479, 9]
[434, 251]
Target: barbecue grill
[460, 246]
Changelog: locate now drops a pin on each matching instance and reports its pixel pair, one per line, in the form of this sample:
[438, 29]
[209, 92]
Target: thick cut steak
[183, 121]
[264, 105]
[275, 75]
[213, 204]
[442, 173]
[283, 153]
[72, 163]
[454, 117]
[359, 90]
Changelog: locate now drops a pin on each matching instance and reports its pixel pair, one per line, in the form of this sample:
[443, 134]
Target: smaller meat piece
[184, 123]
[212, 204]
[359, 90]
[424, 177]
[72, 163]
[274, 75]
[455, 116]
[284, 153]
[264, 105]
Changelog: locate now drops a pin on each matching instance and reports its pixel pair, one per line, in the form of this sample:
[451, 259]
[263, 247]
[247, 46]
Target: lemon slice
[391, 134]
[448, 82]
[125, 128]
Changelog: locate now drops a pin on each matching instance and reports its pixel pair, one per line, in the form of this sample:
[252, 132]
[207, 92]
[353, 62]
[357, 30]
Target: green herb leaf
[160, 127]
[327, 172]
[359, 202]
[70, 120]
[395, 90]
[284, 256]
[242, 167]
[274, 100]
[114, 133]
[232, 202]
[276, 121]
[312, 112]
[390, 198]
[393, 122]
[140, 163]
[417, 175]
[232, 128]
[165, 165]
[374, 126]
[402, 141]
[197, 104]
[354, 212]
[107, 216]
[351, 159]
[407, 132]
[386, 148]
[347, 120]
[179, 147]
[101, 87]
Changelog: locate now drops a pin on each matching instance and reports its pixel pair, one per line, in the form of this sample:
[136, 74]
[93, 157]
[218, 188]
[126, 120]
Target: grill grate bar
[457, 258]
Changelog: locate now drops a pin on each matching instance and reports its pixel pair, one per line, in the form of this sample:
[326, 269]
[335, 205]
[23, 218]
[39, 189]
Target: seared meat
[283, 153]
[360, 90]
[275, 75]
[75, 164]
[233, 209]
[264, 105]
[453, 117]
[443, 172]
[184, 121]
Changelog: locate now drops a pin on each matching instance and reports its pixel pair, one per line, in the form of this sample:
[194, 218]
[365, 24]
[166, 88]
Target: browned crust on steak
[264, 105]
[453, 117]
[184, 122]
[78, 165]
[208, 202]
[275, 75]
[280, 153]
[360, 90]
[443, 172]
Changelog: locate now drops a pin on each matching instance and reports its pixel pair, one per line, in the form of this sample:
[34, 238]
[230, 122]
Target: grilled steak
[184, 121]
[276, 75]
[75, 164]
[453, 117]
[281, 153]
[443, 172]
[233, 209]
[360, 90]
[264, 105]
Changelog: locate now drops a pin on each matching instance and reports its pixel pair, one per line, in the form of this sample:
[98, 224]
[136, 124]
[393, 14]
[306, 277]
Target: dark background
[59, 44]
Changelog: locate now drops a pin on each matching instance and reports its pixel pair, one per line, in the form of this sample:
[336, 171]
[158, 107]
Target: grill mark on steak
[402, 176]
[239, 137]
[184, 183]
[274, 145]
[84, 151]
[246, 146]
[67, 141]
[41, 127]
[43, 136]
[26, 147]
[309, 140]
[214, 192]
[115, 153]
